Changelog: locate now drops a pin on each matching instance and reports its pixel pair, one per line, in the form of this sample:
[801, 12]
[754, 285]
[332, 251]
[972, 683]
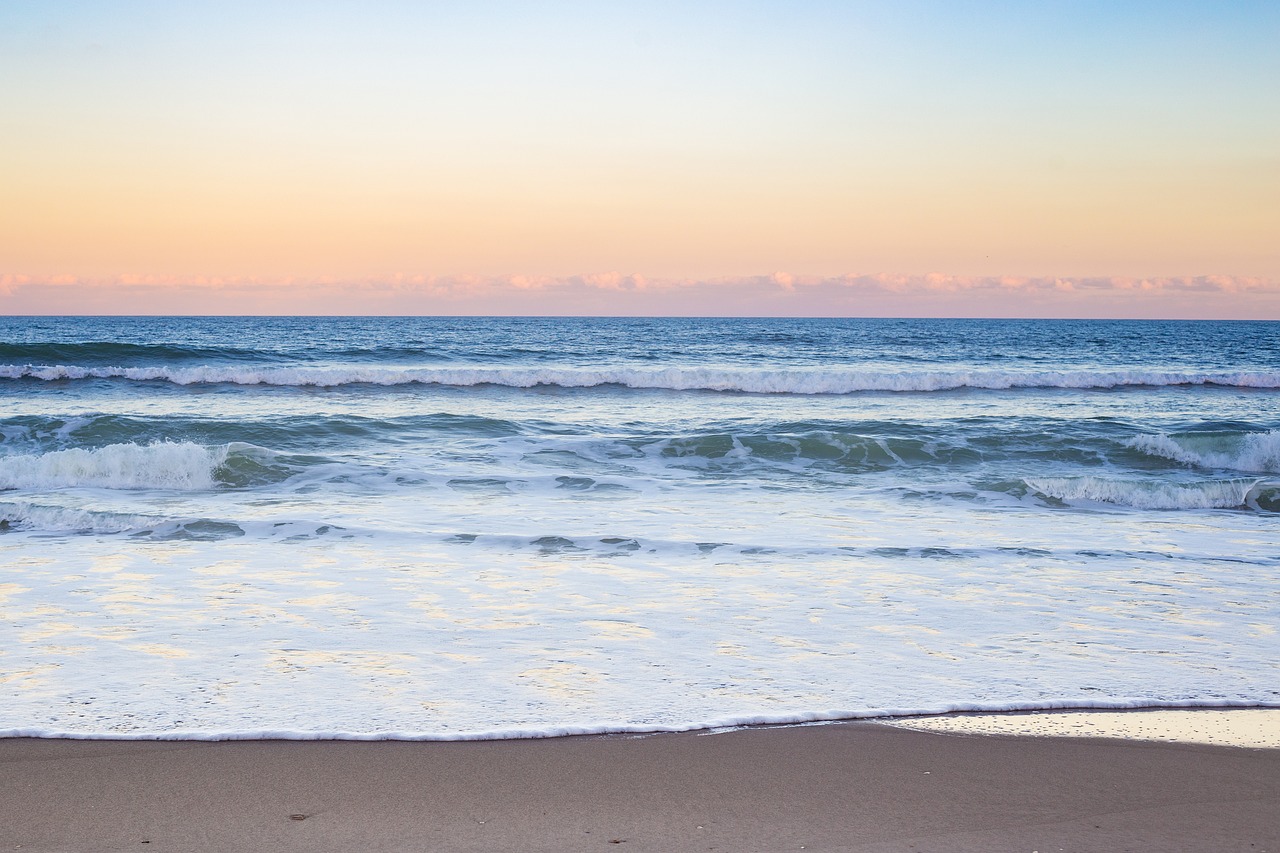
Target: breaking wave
[811, 381]
[1251, 451]
[20, 515]
[43, 519]
[178, 466]
[1141, 494]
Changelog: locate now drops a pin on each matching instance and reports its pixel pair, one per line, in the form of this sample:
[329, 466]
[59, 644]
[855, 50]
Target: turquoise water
[442, 527]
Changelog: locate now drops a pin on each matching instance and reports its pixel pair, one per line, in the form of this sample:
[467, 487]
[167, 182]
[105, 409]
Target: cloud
[613, 292]
[785, 280]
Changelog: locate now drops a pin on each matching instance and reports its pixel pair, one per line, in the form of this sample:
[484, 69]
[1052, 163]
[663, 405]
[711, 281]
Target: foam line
[812, 381]
[709, 726]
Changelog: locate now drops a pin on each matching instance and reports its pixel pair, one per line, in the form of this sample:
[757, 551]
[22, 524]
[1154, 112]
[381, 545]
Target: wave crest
[811, 381]
[1251, 451]
[1139, 494]
[181, 466]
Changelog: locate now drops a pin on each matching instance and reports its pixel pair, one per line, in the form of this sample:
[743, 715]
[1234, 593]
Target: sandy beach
[857, 786]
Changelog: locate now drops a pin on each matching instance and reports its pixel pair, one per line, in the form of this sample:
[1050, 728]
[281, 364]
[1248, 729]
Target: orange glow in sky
[803, 158]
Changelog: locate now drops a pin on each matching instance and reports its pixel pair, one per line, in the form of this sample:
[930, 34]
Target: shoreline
[1104, 720]
[846, 786]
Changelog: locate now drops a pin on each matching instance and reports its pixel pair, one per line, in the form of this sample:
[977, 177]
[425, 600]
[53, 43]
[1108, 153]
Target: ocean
[447, 528]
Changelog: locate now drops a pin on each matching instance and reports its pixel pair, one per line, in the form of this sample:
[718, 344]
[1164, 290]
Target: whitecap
[1144, 494]
[181, 466]
[1252, 451]
[808, 381]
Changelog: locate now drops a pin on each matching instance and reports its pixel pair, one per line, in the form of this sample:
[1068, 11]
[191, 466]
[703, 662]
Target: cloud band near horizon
[612, 293]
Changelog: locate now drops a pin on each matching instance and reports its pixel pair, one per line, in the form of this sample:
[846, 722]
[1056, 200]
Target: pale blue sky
[662, 139]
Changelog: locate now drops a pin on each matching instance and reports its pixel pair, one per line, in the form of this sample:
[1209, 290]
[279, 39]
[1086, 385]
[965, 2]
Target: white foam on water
[804, 381]
[433, 639]
[624, 562]
[1143, 494]
[181, 466]
[934, 718]
[1253, 451]
[56, 519]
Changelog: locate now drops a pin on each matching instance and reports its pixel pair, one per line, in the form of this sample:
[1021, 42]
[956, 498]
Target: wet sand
[843, 787]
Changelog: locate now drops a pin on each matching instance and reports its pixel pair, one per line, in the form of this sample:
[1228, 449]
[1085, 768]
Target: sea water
[487, 527]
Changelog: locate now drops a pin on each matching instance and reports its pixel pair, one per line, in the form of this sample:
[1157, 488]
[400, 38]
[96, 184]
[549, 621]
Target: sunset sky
[827, 158]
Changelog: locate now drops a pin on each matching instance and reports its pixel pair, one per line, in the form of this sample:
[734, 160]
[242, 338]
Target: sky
[959, 158]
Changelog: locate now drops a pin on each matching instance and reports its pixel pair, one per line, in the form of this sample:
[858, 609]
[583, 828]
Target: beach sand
[857, 786]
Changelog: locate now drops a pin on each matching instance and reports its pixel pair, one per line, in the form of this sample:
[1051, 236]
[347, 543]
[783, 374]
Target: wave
[302, 433]
[45, 519]
[115, 353]
[808, 381]
[1250, 451]
[859, 452]
[110, 353]
[56, 519]
[1143, 494]
[324, 444]
[177, 466]
[37, 518]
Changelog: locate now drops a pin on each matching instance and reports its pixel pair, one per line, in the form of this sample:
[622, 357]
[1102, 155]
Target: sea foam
[1141, 494]
[712, 725]
[181, 466]
[1253, 451]
[809, 381]
[22, 515]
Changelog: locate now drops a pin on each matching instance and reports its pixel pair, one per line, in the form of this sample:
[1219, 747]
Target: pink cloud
[612, 292]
